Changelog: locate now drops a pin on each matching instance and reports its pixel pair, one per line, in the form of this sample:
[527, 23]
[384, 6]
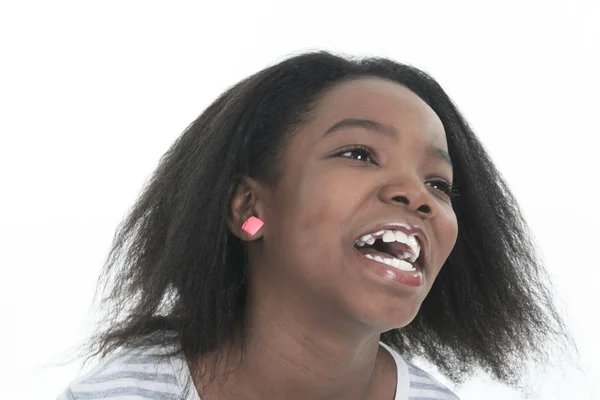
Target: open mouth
[393, 248]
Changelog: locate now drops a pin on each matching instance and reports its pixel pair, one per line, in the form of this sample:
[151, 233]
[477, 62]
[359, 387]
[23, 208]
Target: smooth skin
[314, 313]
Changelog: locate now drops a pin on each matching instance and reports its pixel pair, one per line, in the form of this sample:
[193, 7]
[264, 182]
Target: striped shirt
[133, 374]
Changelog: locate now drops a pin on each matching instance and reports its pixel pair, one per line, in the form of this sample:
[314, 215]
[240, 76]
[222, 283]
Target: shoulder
[423, 385]
[144, 373]
[420, 385]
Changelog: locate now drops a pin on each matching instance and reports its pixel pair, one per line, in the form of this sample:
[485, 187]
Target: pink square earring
[252, 225]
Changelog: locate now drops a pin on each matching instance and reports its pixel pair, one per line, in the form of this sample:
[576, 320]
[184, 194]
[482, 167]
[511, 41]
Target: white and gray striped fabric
[147, 374]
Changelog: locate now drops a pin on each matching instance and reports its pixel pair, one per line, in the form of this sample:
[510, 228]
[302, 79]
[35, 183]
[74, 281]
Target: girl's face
[340, 184]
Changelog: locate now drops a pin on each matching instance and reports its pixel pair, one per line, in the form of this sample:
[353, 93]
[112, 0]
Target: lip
[406, 280]
[409, 229]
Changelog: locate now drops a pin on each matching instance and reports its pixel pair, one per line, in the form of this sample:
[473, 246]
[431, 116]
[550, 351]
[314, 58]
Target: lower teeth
[393, 262]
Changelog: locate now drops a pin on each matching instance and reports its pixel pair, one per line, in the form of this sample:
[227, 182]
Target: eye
[360, 153]
[445, 187]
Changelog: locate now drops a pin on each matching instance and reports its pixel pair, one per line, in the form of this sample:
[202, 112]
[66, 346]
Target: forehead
[382, 100]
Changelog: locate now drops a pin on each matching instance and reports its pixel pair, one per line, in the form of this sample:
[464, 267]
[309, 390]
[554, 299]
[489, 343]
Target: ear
[244, 204]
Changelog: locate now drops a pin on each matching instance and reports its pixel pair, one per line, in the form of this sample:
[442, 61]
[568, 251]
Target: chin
[384, 319]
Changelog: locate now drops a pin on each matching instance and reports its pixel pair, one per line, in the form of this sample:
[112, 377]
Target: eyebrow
[385, 130]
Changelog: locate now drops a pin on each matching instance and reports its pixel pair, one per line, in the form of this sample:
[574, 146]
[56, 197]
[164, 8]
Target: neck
[292, 352]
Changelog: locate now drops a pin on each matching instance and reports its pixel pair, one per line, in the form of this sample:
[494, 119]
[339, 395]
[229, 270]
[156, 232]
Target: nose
[410, 195]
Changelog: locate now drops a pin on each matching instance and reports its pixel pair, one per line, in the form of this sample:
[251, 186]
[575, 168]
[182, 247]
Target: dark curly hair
[175, 267]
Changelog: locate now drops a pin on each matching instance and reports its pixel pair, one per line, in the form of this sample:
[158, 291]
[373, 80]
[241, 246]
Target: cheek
[447, 231]
[326, 205]
[316, 213]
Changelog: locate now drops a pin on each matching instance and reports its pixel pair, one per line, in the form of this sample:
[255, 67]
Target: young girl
[322, 223]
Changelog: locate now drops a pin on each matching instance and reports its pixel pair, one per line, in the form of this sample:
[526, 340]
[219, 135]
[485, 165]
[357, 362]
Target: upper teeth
[394, 236]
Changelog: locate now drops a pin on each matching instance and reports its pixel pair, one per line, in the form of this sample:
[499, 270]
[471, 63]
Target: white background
[93, 93]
